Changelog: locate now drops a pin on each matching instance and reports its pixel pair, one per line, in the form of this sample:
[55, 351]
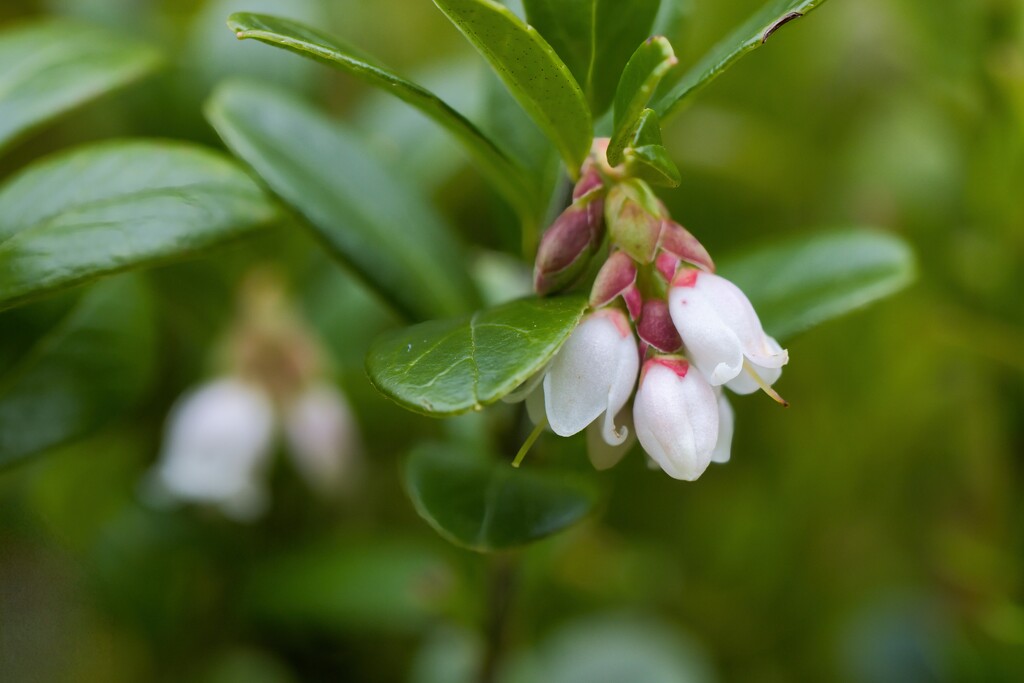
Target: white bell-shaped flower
[321, 437]
[604, 455]
[593, 374]
[217, 444]
[722, 333]
[676, 416]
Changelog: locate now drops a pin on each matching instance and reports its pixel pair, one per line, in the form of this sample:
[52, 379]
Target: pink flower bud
[677, 240]
[656, 328]
[722, 333]
[616, 276]
[570, 242]
[593, 374]
[676, 417]
[634, 219]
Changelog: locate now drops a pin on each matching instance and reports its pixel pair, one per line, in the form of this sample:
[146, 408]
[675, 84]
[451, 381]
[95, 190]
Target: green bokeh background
[873, 532]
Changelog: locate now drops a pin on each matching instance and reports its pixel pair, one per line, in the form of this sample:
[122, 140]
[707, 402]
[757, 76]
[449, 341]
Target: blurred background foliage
[874, 532]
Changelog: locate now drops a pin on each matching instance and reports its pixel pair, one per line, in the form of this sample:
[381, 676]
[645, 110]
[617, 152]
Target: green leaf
[53, 66]
[351, 585]
[531, 70]
[449, 367]
[805, 281]
[653, 164]
[366, 216]
[114, 206]
[490, 505]
[751, 35]
[595, 38]
[648, 65]
[93, 365]
[507, 175]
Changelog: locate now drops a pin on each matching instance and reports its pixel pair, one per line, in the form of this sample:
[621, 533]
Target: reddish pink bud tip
[634, 301]
[616, 276]
[667, 265]
[680, 366]
[656, 327]
[686, 277]
[677, 240]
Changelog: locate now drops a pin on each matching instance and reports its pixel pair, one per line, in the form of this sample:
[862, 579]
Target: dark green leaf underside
[488, 505]
[365, 215]
[93, 365]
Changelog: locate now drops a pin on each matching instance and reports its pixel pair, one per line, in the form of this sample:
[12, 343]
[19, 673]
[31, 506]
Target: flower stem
[530, 440]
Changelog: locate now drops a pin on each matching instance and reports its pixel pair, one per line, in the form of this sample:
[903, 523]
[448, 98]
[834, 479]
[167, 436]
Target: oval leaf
[95, 363]
[751, 35]
[490, 505]
[506, 175]
[144, 203]
[448, 367]
[802, 282]
[594, 37]
[531, 70]
[52, 66]
[365, 215]
[653, 164]
[648, 65]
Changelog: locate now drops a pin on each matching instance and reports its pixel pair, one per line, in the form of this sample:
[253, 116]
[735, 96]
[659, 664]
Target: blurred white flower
[321, 436]
[217, 446]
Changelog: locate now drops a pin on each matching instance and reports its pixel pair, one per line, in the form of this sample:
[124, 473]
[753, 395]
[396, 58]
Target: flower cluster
[660, 313]
[220, 436]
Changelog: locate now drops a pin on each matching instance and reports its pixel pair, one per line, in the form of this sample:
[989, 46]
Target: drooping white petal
[604, 454]
[726, 425]
[676, 416]
[216, 447]
[594, 372]
[712, 345]
[714, 317]
[322, 438]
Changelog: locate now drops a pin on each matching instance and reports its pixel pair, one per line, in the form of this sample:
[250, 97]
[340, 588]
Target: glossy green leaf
[53, 66]
[93, 365]
[506, 174]
[531, 70]
[365, 215]
[448, 367]
[595, 38]
[350, 585]
[144, 202]
[805, 281]
[749, 36]
[487, 505]
[648, 65]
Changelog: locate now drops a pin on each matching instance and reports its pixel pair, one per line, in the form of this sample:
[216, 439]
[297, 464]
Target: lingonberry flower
[593, 374]
[217, 446]
[676, 416]
[322, 437]
[722, 333]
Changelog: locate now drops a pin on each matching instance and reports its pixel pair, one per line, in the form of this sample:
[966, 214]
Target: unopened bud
[570, 242]
[634, 219]
[677, 241]
[656, 327]
[617, 276]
